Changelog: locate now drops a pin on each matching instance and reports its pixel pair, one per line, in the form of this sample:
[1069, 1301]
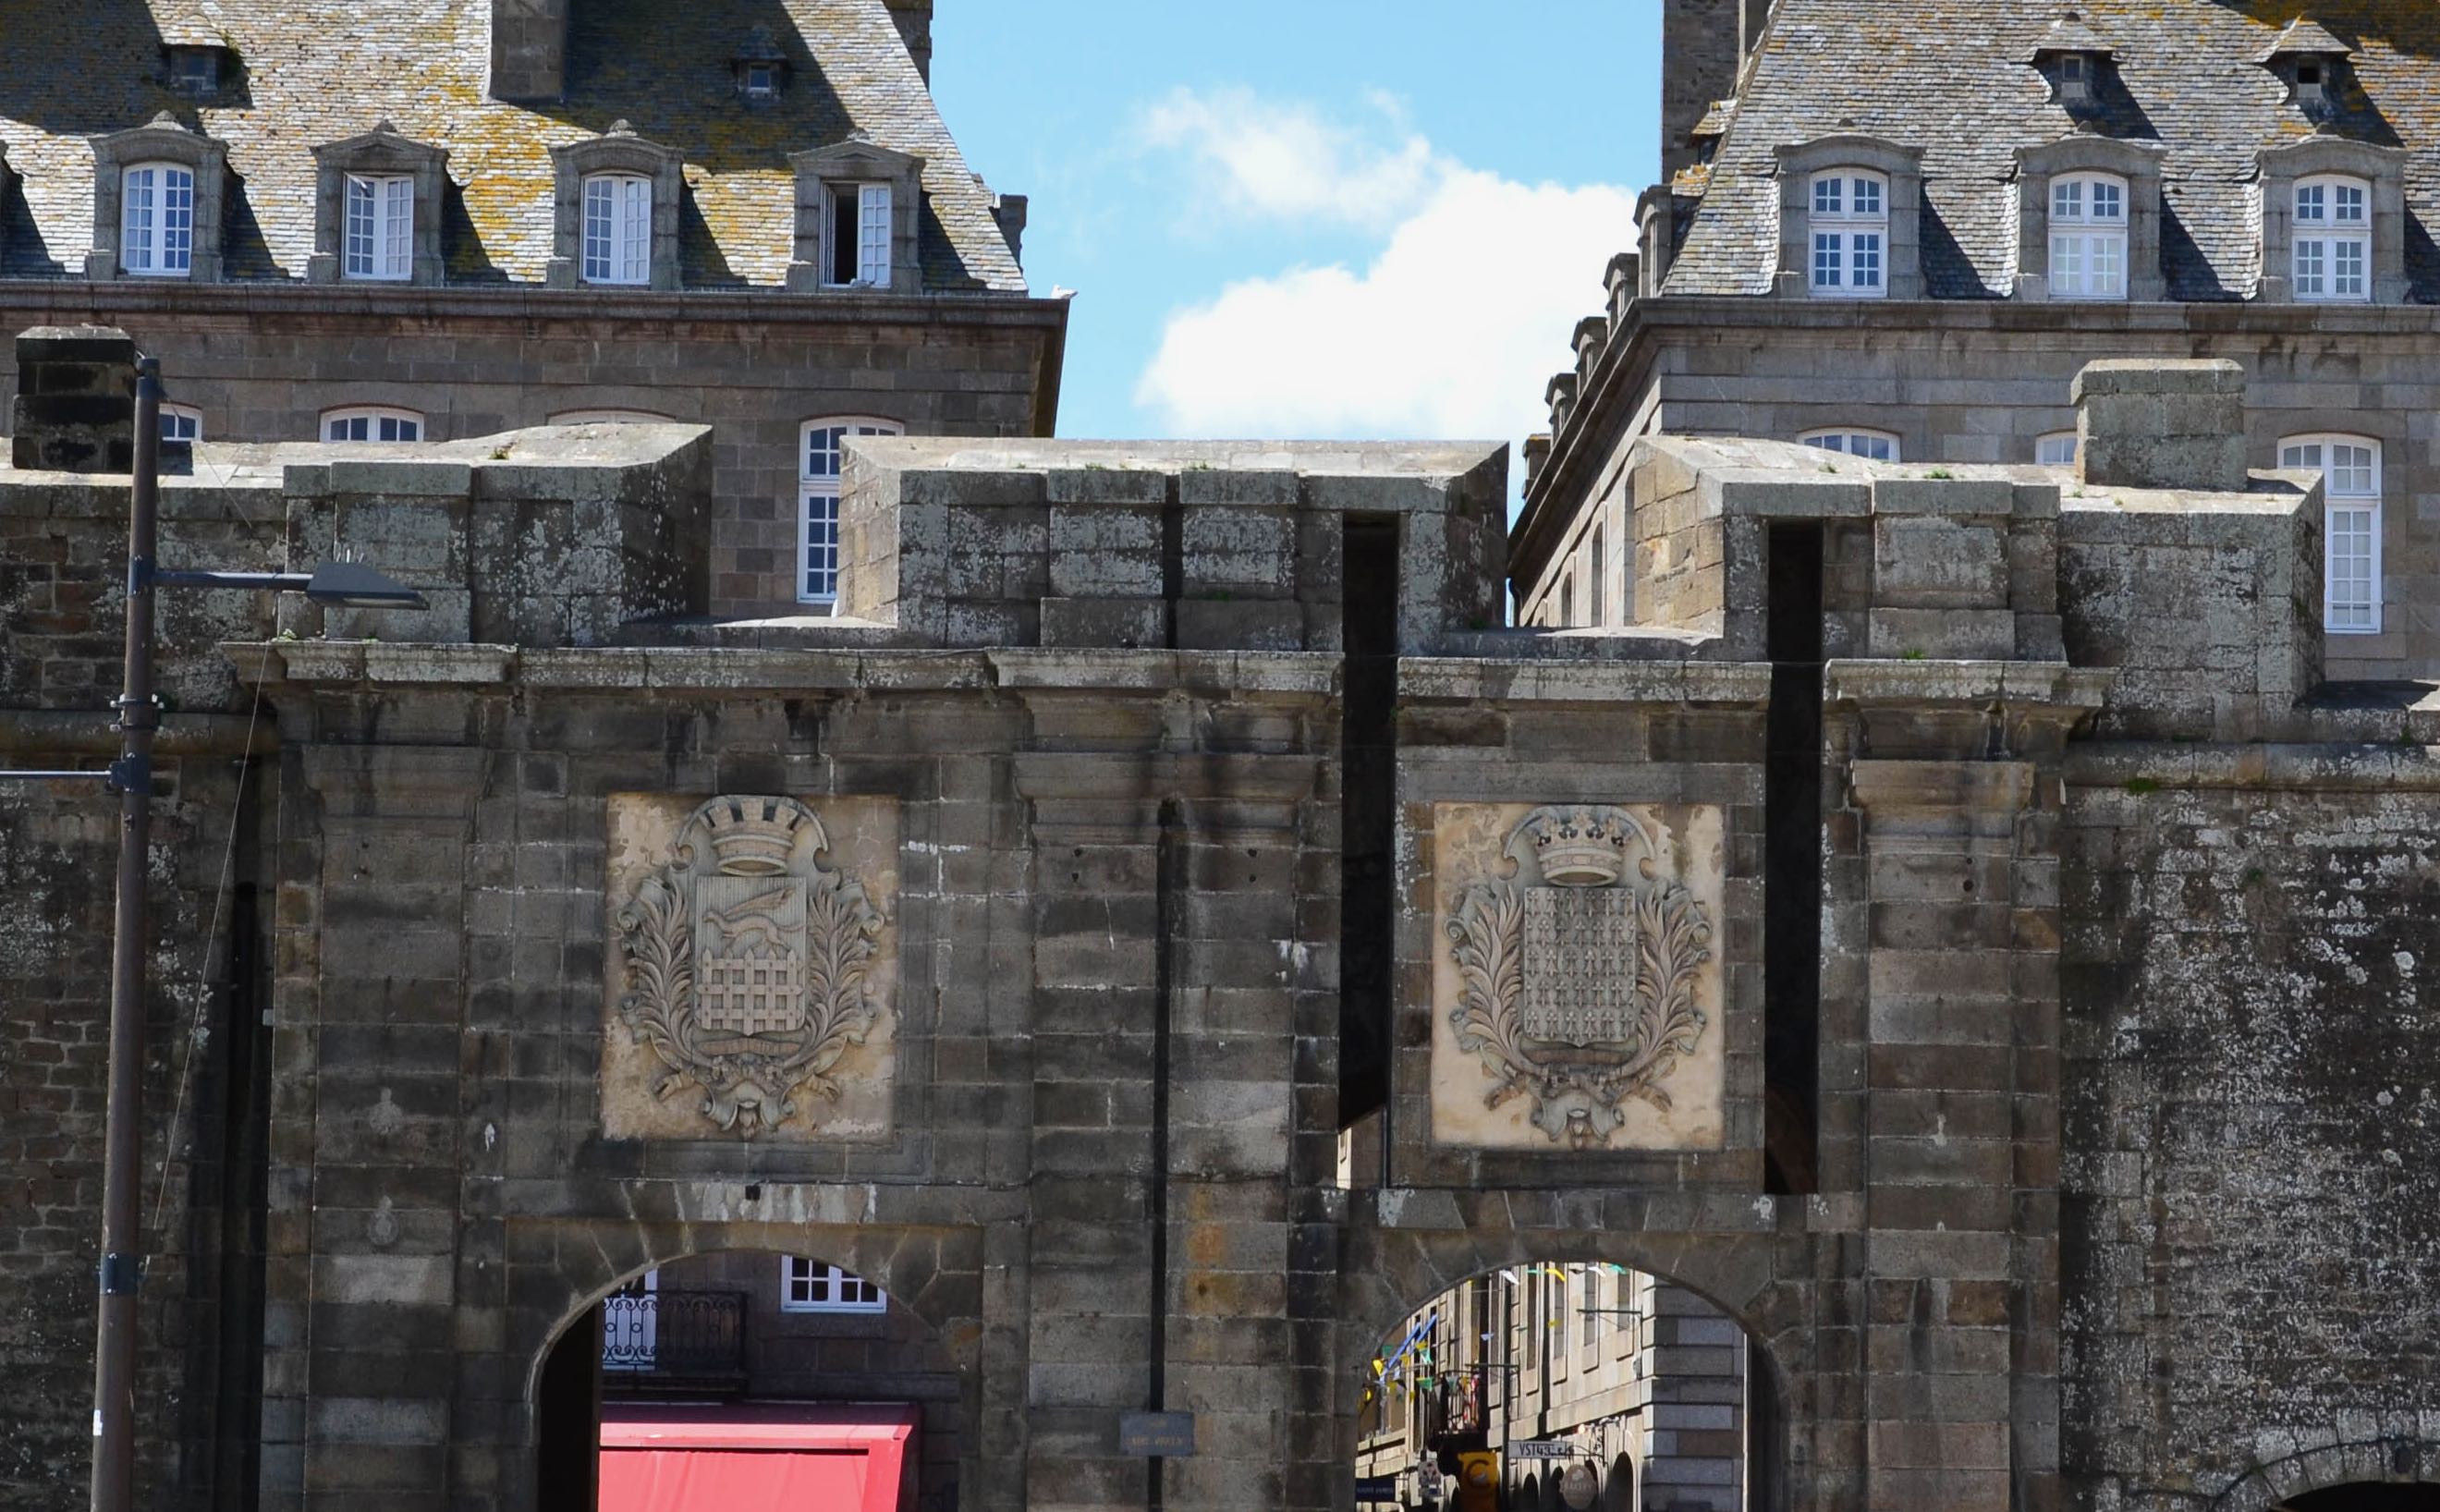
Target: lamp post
[131, 778]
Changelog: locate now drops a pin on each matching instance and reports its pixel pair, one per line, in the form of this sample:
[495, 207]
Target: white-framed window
[1597, 578]
[618, 233]
[857, 228]
[2089, 237]
[818, 450]
[608, 417]
[156, 221]
[2075, 76]
[1850, 225]
[379, 226]
[1872, 445]
[371, 423]
[759, 80]
[2350, 469]
[2057, 449]
[181, 422]
[2333, 236]
[809, 1286]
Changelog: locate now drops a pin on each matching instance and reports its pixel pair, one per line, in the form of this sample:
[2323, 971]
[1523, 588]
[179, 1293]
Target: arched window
[378, 422]
[818, 478]
[608, 417]
[156, 221]
[2057, 449]
[1849, 224]
[181, 422]
[617, 228]
[2350, 469]
[380, 228]
[1872, 445]
[2089, 237]
[2333, 239]
[1597, 578]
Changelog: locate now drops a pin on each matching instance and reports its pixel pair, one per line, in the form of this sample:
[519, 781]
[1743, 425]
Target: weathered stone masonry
[2119, 908]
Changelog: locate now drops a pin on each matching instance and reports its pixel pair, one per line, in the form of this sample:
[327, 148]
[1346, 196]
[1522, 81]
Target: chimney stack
[914, 18]
[2155, 423]
[529, 49]
[1701, 43]
[76, 401]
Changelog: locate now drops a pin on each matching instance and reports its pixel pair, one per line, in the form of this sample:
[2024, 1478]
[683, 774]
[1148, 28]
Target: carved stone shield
[745, 961]
[1580, 973]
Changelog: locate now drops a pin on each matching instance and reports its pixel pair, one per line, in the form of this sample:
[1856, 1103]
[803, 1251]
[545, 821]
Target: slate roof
[1948, 76]
[318, 71]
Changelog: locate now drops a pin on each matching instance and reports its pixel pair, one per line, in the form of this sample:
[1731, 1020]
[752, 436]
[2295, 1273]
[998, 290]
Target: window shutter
[637, 233]
[872, 234]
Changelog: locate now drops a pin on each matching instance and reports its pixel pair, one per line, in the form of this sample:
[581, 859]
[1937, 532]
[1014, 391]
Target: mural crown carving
[753, 836]
[1584, 848]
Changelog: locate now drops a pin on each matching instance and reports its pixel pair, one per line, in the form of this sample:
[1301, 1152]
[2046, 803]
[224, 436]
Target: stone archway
[558, 1272]
[1423, 1246]
[2387, 1472]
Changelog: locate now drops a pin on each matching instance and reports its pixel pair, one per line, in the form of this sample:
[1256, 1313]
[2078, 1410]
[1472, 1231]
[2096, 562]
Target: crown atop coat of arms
[1584, 847]
[755, 836]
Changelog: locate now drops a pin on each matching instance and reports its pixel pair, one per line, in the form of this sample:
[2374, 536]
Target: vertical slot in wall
[1793, 864]
[1368, 816]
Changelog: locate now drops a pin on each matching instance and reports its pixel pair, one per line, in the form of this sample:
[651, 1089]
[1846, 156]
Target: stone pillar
[914, 19]
[364, 1298]
[1955, 919]
[529, 50]
[2147, 423]
[76, 401]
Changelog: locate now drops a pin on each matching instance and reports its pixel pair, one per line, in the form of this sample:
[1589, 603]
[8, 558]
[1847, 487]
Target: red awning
[758, 1459]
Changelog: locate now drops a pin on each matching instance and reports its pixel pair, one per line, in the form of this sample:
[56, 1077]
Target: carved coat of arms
[1578, 968]
[745, 961]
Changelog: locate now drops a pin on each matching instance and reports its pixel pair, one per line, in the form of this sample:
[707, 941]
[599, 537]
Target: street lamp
[131, 778]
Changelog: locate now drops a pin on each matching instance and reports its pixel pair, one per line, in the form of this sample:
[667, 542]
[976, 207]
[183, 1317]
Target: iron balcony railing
[675, 1334]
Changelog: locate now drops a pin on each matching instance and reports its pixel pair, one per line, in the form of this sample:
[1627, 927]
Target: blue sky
[1311, 216]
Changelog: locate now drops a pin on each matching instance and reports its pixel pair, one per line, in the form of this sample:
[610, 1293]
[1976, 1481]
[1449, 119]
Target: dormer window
[761, 64]
[1851, 227]
[195, 70]
[617, 212]
[761, 81]
[2075, 79]
[381, 227]
[2309, 84]
[156, 224]
[2088, 236]
[858, 207]
[377, 210]
[617, 229]
[2333, 231]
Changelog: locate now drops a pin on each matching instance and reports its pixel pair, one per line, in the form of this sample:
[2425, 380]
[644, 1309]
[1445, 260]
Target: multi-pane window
[181, 422]
[372, 422]
[2350, 469]
[380, 226]
[2056, 449]
[1870, 445]
[1850, 226]
[818, 477]
[809, 1286]
[2089, 237]
[156, 221]
[617, 229]
[858, 231]
[2333, 239]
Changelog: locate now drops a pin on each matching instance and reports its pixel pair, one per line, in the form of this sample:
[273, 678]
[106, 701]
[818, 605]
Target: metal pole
[114, 1374]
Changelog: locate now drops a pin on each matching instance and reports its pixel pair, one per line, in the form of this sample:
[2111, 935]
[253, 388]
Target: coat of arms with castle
[1578, 971]
[744, 963]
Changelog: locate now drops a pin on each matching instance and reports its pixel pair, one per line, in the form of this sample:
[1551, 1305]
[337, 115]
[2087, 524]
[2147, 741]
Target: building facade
[1904, 239]
[439, 220]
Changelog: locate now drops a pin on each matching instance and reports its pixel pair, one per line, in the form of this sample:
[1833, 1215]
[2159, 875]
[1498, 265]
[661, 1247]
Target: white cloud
[1451, 332]
[1290, 162]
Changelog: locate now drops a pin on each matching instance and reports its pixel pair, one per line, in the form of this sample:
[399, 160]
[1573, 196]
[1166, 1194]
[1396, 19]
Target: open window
[617, 229]
[2351, 494]
[377, 210]
[819, 451]
[858, 207]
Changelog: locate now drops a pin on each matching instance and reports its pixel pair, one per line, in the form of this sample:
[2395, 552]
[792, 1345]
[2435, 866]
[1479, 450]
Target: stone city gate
[1148, 925]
